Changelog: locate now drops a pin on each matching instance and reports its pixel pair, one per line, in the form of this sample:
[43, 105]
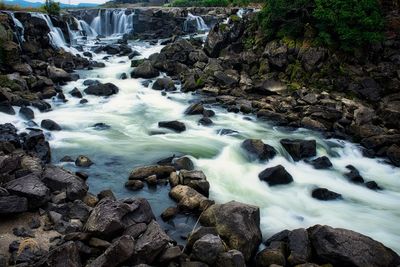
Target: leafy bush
[211, 3]
[51, 7]
[347, 24]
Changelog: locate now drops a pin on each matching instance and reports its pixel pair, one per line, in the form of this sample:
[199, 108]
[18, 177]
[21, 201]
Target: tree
[51, 7]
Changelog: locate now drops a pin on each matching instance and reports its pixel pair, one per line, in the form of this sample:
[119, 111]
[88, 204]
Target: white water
[200, 24]
[86, 29]
[134, 113]
[19, 28]
[111, 22]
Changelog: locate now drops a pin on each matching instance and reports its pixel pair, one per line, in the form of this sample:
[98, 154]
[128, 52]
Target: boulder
[195, 109]
[76, 93]
[342, 247]
[270, 257]
[30, 187]
[83, 161]
[164, 84]
[300, 149]
[256, 148]
[205, 121]
[299, 247]
[35, 142]
[134, 185]
[321, 163]
[275, 176]
[231, 258]
[64, 255]
[183, 163]
[120, 250]
[100, 89]
[13, 204]
[169, 213]
[145, 70]
[58, 179]
[237, 224]
[277, 55]
[354, 175]
[141, 173]
[50, 125]
[312, 58]
[393, 153]
[325, 194]
[149, 245]
[196, 180]
[176, 126]
[170, 254]
[57, 74]
[207, 248]
[188, 198]
[27, 113]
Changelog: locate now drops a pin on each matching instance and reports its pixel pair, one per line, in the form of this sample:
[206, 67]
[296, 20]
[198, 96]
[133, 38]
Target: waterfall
[200, 24]
[112, 22]
[19, 28]
[86, 30]
[241, 12]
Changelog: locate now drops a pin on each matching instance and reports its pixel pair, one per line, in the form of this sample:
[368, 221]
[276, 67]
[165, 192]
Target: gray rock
[207, 248]
[64, 255]
[256, 148]
[231, 258]
[145, 70]
[276, 176]
[161, 171]
[13, 204]
[50, 125]
[106, 89]
[300, 149]
[299, 247]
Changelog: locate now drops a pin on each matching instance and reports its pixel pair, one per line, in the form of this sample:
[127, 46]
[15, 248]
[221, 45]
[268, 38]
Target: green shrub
[346, 24]
[51, 7]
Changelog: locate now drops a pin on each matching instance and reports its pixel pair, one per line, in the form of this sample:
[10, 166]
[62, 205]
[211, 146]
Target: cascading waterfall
[19, 28]
[200, 24]
[86, 30]
[113, 22]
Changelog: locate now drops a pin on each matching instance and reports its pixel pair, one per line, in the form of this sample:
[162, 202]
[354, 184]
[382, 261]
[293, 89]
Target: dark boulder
[393, 153]
[270, 257]
[342, 247]
[64, 255]
[299, 247]
[237, 224]
[164, 84]
[205, 121]
[6, 108]
[145, 70]
[134, 185]
[231, 258]
[76, 93]
[321, 163]
[176, 126]
[276, 176]
[183, 163]
[35, 142]
[354, 175]
[256, 148]
[325, 194]
[50, 125]
[372, 185]
[207, 248]
[195, 109]
[26, 113]
[106, 89]
[83, 161]
[161, 171]
[300, 149]
[13, 204]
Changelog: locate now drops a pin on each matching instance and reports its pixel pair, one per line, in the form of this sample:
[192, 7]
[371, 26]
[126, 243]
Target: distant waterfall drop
[19, 28]
[112, 22]
[200, 24]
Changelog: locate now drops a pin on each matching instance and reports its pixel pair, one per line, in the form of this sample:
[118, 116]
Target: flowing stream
[135, 139]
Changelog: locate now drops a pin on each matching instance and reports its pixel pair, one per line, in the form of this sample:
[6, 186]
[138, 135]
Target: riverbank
[119, 128]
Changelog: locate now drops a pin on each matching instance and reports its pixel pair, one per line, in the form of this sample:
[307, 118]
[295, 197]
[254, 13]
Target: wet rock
[83, 161]
[207, 248]
[256, 147]
[121, 250]
[237, 224]
[90, 82]
[100, 89]
[188, 198]
[205, 121]
[134, 185]
[183, 163]
[299, 247]
[198, 233]
[66, 159]
[270, 257]
[325, 194]
[151, 180]
[106, 194]
[64, 255]
[141, 173]
[123, 76]
[50, 125]
[393, 153]
[144, 70]
[30, 187]
[321, 163]
[135, 230]
[169, 213]
[83, 101]
[232, 258]
[36, 143]
[13, 204]
[354, 175]
[196, 180]
[227, 132]
[26, 113]
[176, 126]
[276, 176]
[194, 109]
[76, 93]
[149, 245]
[354, 250]
[164, 84]
[300, 149]
[170, 254]
[57, 74]
[58, 179]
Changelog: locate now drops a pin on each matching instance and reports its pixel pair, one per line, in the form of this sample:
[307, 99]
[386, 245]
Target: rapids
[134, 139]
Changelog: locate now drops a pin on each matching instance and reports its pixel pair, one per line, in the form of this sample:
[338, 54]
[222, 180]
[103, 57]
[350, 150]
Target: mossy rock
[136, 62]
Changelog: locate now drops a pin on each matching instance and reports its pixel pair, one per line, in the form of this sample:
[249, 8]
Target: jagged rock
[170, 254]
[237, 224]
[256, 147]
[13, 204]
[393, 154]
[277, 55]
[232, 258]
[64, 255]
[342, 247]
[50, 125]
[145, 70]
[141, 173]
[300, 149]
[164, 84]
[197, 234]
[207, 248]
[325, 194]
[176, 126]
[121, 250]
[270, 257]
[149, 245]
[321, 163]
[6, 108]
[189, 198]
[58, 179]
[196, 180]
[275, 176]
[36, 142]
[299, 247]
[30, 187]
[100, 89]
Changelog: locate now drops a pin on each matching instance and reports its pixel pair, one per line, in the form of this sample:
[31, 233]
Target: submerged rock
[83, 161]
[325, 194]
[176, 126]
[321, 163]
[354, 175]
[50, 125]
[26, 113]
[276, 176]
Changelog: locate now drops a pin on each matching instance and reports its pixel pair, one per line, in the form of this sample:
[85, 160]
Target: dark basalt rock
[325, 194]
[106, 89]
[50, 125]
[207, 248]
[83, 161]
[256, 147]
[134, 185]
[13, 204]
[354, 175]
[145, 70]
[232, 258]
[321, 163]
[164, 84]
[300, 149]
[35, 142]
[176, 126]
[299, 247]
[183, 163]
[372, 185]
[276, 176]
[76, 93]
[6, 108]
[205, 121]
[64, 255]
[27, 113]
[194, 109]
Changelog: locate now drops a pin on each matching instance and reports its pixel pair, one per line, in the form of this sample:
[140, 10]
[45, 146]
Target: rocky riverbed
[109, 159]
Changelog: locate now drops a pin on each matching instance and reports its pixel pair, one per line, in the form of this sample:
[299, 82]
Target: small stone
[83, 161]
[134, 185]
[169, 213]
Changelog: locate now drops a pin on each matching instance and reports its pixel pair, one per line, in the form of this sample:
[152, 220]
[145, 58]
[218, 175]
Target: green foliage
[212, 3]
[346, 24]
[51, 7]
